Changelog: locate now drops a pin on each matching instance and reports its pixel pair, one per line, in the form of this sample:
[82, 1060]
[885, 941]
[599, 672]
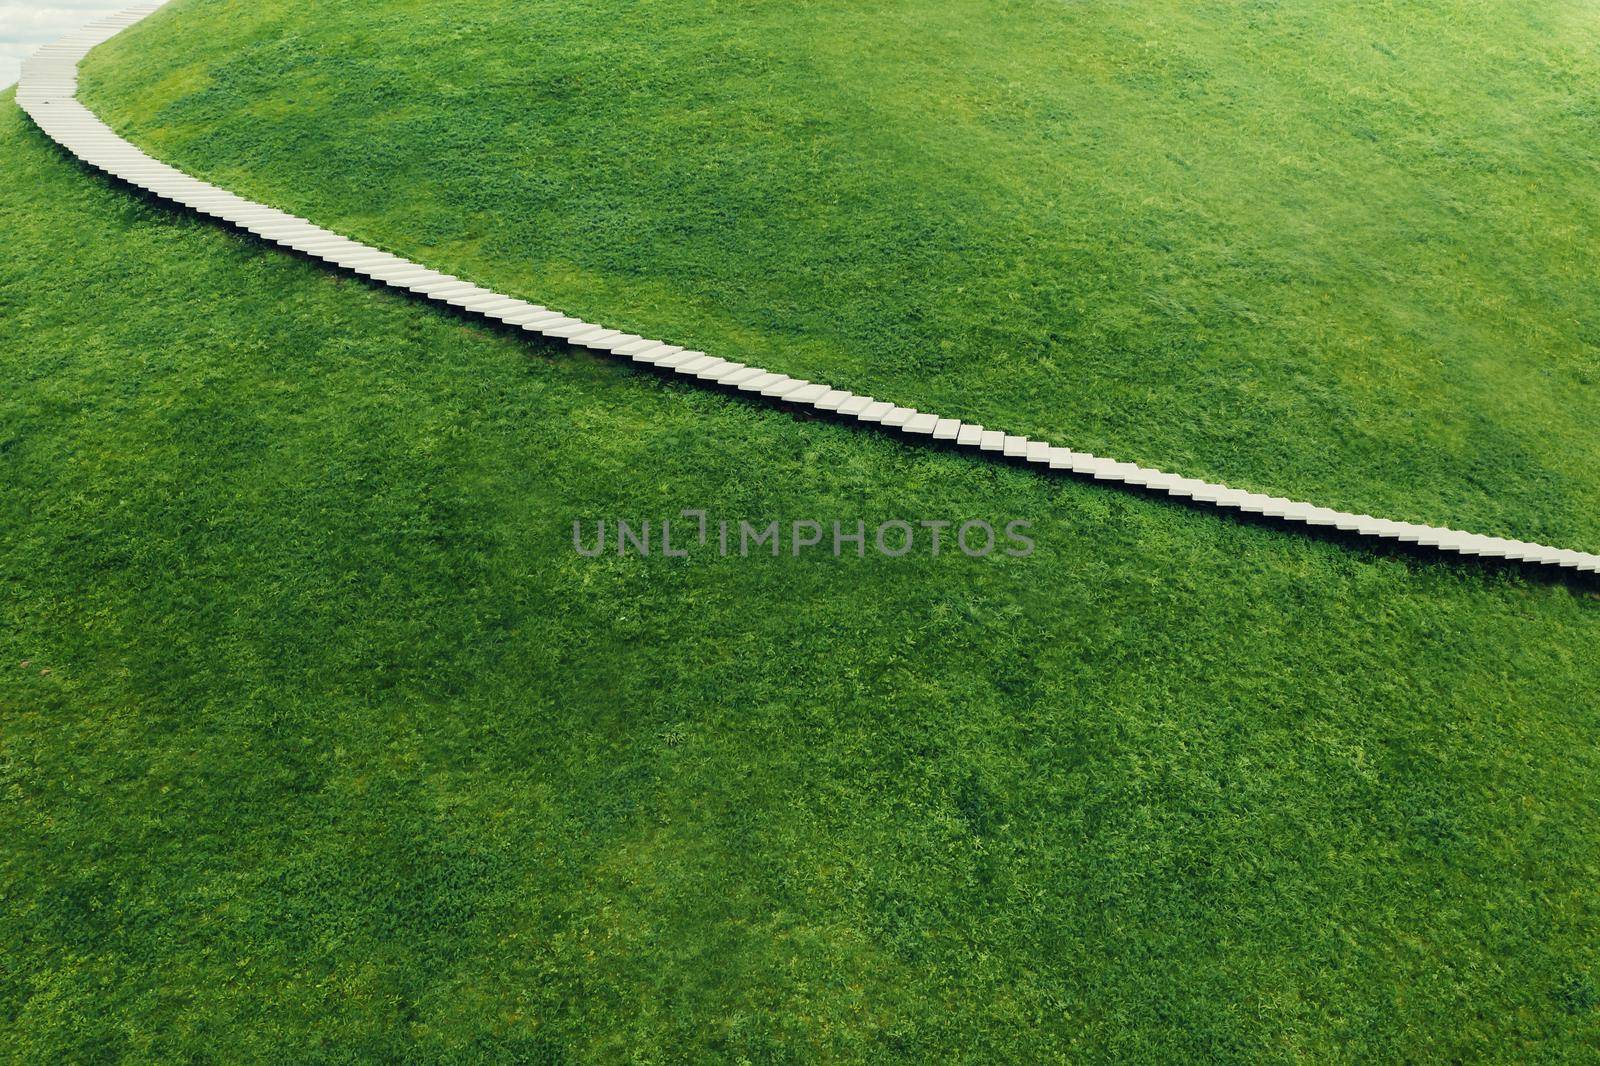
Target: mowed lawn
[329, 747]
[1336, 249]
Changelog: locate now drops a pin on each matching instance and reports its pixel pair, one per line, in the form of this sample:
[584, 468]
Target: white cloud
[24, 27]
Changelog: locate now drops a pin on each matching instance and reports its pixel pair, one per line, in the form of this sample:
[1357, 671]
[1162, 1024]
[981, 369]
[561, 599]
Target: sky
[24, 27]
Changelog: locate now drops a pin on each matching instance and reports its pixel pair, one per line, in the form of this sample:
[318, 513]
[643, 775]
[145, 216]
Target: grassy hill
[328, 745]
[1338, 250]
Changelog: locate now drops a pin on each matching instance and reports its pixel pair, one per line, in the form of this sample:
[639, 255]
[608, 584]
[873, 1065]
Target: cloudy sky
[24, 27]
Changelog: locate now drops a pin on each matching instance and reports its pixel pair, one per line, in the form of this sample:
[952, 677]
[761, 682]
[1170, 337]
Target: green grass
[330, 748]
[1338, 250]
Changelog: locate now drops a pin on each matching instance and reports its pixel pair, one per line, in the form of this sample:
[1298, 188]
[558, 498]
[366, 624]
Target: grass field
[329, 747]
[1339, 250]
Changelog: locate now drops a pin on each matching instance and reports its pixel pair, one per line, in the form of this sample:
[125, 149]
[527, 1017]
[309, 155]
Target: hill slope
[1330, 250]
[343, 749]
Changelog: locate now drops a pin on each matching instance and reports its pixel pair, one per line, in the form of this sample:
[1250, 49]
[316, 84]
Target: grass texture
[1337, 250]
[329, 748]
